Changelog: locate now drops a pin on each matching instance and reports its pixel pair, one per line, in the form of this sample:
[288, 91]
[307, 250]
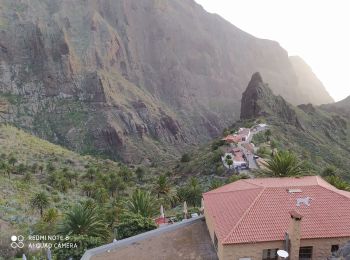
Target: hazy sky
[316, 30]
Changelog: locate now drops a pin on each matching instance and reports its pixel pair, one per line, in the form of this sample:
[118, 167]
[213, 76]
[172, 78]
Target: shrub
[185, 158]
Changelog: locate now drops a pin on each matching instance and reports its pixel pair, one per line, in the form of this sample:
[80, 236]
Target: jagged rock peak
[255, 91]
[259, 100]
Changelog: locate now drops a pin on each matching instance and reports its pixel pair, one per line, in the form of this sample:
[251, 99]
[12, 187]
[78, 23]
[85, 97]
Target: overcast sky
[316, 30]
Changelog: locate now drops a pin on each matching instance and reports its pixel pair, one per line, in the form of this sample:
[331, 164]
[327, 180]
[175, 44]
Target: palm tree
[283, 164]
[5, 168]
[141, 203]
[229, 163]
[12, 160]
[40, 201]
[84, 220]
[162, 185]
[51, 215]
[268, 134]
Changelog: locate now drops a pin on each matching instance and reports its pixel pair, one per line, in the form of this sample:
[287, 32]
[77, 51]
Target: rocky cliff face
[258, 100]
[127, 77]
[310, 87]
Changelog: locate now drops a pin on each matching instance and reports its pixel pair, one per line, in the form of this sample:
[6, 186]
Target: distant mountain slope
[125, 78]
[341, 107]
[319, 135]
[322, 137]
[311, 88]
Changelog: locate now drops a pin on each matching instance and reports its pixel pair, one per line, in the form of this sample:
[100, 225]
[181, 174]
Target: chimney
[294, 235]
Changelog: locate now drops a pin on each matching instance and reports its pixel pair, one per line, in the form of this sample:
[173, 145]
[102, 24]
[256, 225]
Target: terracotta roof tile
[256, 210]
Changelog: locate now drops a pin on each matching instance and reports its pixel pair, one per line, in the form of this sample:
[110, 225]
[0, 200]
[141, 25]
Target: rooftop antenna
[282, 254]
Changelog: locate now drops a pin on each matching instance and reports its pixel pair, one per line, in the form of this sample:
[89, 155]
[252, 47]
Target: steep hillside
[29, 165]
[319, 135]
[310, 87]
[340, 107]
[125, 78]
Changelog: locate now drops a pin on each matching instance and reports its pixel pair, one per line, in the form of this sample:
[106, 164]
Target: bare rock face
[126, 77]
[258, 100]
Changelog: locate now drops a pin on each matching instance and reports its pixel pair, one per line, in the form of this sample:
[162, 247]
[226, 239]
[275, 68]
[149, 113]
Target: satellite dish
[282, 253]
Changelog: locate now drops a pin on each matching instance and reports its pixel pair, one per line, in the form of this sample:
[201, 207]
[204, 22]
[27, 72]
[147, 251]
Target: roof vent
[306, 201]
[294, 190]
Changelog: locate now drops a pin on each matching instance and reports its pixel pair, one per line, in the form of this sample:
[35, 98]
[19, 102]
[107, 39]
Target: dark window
[215, 241]
[305, 253]
[270, 254]
[334, 248]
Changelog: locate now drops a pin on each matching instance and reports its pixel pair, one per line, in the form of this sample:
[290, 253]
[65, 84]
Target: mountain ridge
[129, 78]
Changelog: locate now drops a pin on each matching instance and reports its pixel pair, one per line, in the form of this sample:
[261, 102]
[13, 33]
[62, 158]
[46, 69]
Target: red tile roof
[257, 210]
[233, 138]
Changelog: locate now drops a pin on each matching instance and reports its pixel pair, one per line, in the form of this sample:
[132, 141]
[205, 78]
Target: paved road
[248, 154]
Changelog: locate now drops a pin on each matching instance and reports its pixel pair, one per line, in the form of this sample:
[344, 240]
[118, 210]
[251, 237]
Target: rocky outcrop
[115, 76]
[258, 100]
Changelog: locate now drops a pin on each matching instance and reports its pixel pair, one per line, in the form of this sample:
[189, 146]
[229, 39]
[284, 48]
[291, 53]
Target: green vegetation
[142, 203]
[185, 158]
[283, 164]
[40, 201]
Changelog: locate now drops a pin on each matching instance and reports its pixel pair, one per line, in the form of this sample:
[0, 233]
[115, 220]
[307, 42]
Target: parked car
[256, 157]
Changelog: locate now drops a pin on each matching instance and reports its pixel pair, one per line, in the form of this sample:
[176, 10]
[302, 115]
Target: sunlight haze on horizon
[316, 30]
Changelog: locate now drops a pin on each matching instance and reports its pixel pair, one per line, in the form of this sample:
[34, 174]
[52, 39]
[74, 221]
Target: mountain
[340, 107]
[318, 134]
[129, 79]
[310, 87]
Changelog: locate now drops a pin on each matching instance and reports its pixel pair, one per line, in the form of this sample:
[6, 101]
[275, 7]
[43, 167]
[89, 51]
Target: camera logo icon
[17, 241]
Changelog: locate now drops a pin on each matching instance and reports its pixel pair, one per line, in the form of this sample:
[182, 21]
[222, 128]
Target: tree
[185, 158]
[229, 163]
[125, 173]
[51, 216]
[83, 243]
[91, 172]
[268, 134]
[12, 160]
[50, 167]
[68, 174]
[40, 201]
[141, 202]
[283, 164]
[88, 189]
[132, 224]
[34, 168]
[140, 173]
[114, 183]
[100, 195]
[6, 169]
[41, 168]
[84, 220]
[162, 185]
[191, 193]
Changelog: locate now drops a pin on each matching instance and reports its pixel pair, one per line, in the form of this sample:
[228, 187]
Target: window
[334, 249]
[215, 242]
[270, 254]
[305, 253]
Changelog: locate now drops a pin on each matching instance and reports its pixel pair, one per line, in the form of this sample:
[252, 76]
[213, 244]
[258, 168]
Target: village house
[251, 219]
[244, 133]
